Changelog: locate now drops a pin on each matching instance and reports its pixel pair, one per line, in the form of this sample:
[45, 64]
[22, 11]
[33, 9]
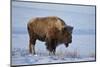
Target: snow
[31, 59]
[76, 51]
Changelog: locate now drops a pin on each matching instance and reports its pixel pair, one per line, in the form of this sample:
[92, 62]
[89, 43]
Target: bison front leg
[54, 46]
[54, 50]
[51, 46]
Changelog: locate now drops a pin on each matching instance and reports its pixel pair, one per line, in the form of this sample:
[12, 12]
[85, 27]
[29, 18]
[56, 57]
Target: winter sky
[80, 17]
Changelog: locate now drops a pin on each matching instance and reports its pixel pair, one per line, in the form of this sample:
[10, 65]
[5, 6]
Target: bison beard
[52, 30]
[51, 46]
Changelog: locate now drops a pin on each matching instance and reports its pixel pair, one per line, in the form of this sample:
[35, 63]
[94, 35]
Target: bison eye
[64, 30]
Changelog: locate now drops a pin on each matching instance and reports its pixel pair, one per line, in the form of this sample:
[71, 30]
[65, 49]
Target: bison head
[67, 34]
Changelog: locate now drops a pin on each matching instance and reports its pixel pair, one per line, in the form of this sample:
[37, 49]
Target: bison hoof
[51, 53]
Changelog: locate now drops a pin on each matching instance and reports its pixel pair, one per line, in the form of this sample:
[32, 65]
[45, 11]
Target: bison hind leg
[32, 46]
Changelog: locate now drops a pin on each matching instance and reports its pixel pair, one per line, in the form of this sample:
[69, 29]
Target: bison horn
[68, 28]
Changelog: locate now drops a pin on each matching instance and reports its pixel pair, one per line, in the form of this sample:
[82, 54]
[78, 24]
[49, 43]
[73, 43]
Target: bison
[52, 30]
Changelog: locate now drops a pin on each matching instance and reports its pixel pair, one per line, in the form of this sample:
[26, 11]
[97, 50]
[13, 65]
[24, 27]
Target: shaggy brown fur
[52, 30]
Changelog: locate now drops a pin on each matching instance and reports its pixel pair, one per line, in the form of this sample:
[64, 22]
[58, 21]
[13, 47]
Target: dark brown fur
[52, 30]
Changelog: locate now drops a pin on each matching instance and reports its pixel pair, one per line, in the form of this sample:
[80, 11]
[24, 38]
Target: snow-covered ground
[82, 48]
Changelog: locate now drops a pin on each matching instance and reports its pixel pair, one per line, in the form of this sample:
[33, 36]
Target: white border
[5, 33]
[87, 2]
